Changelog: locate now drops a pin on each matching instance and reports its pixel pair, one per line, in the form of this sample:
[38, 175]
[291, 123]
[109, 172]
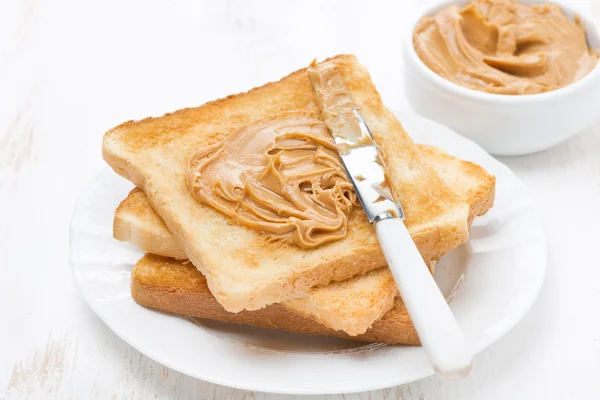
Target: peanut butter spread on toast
[504, 47]
[281, 176]
[337, 107]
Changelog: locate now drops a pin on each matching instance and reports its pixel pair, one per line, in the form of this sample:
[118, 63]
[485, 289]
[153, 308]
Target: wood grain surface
[71, 70]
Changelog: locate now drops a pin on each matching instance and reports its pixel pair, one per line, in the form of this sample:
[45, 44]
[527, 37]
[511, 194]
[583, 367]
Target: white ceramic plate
[497, 276]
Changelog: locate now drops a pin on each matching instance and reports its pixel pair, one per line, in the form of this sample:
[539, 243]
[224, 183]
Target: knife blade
[364, 166]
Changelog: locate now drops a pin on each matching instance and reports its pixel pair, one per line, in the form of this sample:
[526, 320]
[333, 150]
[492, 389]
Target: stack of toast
[201, 264]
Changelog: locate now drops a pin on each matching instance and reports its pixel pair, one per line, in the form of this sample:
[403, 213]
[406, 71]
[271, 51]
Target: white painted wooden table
[69, 72]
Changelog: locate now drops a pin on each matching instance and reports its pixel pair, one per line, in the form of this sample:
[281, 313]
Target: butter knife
[440, 334]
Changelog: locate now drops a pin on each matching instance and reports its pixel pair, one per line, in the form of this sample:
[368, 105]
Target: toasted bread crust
[136, 222]
[177, 287]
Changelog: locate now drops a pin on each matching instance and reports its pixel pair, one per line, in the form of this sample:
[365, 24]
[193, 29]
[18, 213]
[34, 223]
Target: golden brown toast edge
[177, 287]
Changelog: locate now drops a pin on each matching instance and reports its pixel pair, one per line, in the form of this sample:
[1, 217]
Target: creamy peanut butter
[501, 46]
[337, 107]
[281, 176]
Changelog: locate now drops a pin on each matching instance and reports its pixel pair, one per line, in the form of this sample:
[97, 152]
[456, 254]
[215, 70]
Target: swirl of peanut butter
[501, 46]
[281, 176]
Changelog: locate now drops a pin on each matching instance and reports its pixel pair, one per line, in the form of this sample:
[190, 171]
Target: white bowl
[506, 124]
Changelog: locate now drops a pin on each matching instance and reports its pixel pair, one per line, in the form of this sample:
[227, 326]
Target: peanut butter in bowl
[505, 47]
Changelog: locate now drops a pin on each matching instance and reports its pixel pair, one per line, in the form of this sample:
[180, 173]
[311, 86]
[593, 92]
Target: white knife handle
[438, 331]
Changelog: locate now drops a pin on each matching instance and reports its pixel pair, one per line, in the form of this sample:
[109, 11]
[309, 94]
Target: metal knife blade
[355, 144]
[366, 170]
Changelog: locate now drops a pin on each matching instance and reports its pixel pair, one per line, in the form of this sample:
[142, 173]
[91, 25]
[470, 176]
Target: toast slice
[351, 306]
[176, 286]
[243, 268]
